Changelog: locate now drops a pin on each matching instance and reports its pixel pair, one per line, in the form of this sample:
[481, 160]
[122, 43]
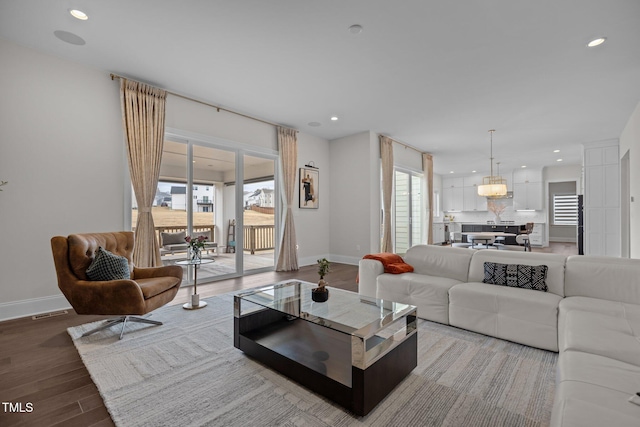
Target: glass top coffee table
[351, 349]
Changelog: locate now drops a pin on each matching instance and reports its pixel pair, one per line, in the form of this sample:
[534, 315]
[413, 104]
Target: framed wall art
[309, 183]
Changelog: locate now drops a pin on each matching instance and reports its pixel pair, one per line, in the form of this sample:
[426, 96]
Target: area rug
[187, 373]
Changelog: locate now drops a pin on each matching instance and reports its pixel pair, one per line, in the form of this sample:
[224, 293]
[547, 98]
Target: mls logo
[12, 407]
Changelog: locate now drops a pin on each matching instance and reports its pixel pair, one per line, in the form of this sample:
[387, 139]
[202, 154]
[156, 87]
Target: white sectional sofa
[590, 314]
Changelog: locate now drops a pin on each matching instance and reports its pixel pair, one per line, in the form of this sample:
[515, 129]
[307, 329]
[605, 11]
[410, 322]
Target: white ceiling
[433, 74]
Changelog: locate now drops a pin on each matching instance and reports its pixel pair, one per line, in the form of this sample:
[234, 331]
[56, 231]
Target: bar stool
[523, 240]
[456, 240]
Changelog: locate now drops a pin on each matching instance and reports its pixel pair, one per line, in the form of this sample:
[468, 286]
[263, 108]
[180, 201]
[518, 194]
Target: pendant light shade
[492, 186]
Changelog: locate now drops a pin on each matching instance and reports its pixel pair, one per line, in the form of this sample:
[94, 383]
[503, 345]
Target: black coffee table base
[291, 347]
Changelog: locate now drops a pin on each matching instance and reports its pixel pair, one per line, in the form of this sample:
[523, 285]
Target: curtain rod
[407, 145]
[116, 76]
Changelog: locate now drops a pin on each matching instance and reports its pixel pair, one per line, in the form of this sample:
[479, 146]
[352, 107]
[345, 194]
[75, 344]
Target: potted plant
[321, 293]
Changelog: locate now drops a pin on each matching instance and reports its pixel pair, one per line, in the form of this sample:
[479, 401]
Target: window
[408, 209]
[565, 209]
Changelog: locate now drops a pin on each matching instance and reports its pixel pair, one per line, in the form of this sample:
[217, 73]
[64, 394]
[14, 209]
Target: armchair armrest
[106, 297]
[164, 271]
[368, 272]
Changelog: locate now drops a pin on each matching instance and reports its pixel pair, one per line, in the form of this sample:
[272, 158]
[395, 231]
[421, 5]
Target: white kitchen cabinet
[536, 238]
[602, 199]
[527, 190]
[438, 233]
[452, 195]
[521, 176]
[528, 196]
[471, 201]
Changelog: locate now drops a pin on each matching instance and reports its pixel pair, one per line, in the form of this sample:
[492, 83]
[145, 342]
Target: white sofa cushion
[607, 278]
[430, 294]
[440, 261]
[554, 262]
[601, 378]
[521, 315]
[616, 337]
[599, 370]
[580, 405]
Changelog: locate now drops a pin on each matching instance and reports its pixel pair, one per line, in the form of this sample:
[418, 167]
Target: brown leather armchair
[148, 288]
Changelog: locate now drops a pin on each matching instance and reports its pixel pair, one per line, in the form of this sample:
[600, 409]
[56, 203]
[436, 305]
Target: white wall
[630, 141]
[355, 200]
[62, 152]
[313, 225]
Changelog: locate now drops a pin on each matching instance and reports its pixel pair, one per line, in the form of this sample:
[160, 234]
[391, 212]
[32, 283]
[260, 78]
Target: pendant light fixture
[492, 186]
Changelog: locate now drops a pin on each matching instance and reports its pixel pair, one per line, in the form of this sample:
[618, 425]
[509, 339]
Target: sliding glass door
[219, 192]
[259, 213]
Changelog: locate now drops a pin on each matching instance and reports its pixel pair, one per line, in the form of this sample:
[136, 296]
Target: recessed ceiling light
[523, 166]
[194, 161]
[596, 42]
[556, 151]
[559, 160]
[473, 171]
[334, 118]
[314, 124]
[355, 29]
[78, 14]
[450, 171]
[68, 37]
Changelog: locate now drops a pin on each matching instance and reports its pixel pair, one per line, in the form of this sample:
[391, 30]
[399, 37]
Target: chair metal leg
[107, 324]
[123, 320]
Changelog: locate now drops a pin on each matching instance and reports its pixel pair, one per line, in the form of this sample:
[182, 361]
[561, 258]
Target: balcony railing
[256, 237]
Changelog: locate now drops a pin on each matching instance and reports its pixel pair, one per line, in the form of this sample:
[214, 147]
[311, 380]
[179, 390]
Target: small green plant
[323, 267]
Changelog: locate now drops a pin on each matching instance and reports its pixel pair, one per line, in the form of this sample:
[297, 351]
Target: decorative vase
[194, 254]
[497, 220]
[319, 296]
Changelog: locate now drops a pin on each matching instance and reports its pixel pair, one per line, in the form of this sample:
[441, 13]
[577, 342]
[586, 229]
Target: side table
[195, 302]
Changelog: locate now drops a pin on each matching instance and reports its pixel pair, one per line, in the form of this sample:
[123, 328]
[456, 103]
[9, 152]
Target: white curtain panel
[143, 113]
[386, 156]
[427, 167]
[288, 148]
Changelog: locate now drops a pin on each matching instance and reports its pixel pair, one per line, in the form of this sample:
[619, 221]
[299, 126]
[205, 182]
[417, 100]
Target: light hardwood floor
[40, 365]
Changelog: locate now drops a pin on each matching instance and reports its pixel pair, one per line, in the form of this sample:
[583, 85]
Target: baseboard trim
[333, 258]
[30, 307]
[345, 259]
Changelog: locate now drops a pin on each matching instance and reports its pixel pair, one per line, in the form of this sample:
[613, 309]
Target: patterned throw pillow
[108, 266]
[516, 275]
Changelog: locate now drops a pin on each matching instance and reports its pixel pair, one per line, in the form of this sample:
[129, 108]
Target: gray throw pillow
[173, 238]
[516, 275]
[108, 266]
